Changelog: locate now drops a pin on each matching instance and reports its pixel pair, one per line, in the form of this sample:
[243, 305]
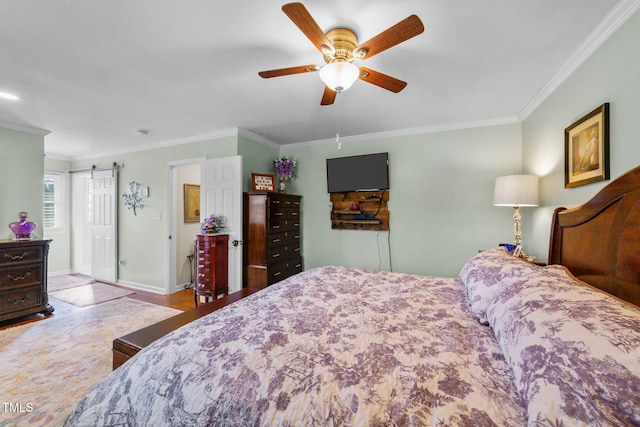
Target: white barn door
[221, 194]
[81, 223]
[104, 231]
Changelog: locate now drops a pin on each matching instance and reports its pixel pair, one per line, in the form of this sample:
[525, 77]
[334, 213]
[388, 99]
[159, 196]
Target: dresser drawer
[291, 202]
[283, 253]
[280, 271]
[203, 280]
[20, 254]
[10, 277]
[283, 238]
[293, 213]
[277, 213]
[20, 299]
[203, 249]
[203, 261]
[284, 225]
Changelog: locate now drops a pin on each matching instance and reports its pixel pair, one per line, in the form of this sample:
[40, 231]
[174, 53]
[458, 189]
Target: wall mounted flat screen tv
[369, 172]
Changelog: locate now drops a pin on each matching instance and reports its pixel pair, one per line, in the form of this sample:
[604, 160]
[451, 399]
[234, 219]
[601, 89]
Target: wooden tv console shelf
[361, 210]
[127, 346]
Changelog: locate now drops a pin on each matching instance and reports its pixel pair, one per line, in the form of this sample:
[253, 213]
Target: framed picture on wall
[262, 182]
[586, 149]
[191, 203]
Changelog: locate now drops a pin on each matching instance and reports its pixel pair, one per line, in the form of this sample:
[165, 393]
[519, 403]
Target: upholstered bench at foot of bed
[127, 346]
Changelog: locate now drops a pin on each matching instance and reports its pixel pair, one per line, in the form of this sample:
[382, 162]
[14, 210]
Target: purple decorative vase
[23, 228]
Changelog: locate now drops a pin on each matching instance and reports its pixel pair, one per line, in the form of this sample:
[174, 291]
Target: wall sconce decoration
[133, 200]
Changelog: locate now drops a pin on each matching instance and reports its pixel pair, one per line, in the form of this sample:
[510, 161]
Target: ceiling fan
[340, 48]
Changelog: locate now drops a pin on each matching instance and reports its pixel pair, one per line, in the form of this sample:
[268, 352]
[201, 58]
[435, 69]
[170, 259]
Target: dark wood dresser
[212, 266]
[23, 278]
[272, 240]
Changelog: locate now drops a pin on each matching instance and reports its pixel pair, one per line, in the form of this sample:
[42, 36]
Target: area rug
[49, 365]
[91, 294]
[65, 281]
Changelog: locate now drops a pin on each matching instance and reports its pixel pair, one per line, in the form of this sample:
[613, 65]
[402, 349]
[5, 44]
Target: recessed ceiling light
[9, 96]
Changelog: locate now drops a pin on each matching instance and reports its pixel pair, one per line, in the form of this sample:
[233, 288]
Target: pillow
[487, 273]
[574, 351]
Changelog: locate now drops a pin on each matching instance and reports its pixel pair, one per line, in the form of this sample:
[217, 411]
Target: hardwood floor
[181, 300]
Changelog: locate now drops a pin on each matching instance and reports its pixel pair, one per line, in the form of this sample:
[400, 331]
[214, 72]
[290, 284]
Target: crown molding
[24, 128]
[259, 139]
[57, 157]
[158, 144]
[161, 144]
[614, 20]
[408, 132]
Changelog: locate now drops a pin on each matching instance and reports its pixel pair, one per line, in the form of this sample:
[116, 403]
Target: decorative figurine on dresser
[23, 227]
[23, 277]
[271, 241]
[212, 261]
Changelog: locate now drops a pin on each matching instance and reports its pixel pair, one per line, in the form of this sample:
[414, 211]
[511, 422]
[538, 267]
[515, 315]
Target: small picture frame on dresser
[263, 182]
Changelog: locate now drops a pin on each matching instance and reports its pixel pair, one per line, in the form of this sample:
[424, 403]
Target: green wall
[611, 74]
[440, 200]
[143, 238]
[256, 158]
[22, 169]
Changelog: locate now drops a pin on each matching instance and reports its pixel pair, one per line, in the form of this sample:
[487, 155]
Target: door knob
[235, 243]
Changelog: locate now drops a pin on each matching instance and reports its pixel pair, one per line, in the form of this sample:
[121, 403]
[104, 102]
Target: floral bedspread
[330, 346]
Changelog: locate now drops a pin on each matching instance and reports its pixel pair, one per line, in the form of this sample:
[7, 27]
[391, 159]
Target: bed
[507, 343]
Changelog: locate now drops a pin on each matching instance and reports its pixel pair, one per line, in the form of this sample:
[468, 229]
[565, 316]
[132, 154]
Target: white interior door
[81, 213]
[104, 231]
[221, 194]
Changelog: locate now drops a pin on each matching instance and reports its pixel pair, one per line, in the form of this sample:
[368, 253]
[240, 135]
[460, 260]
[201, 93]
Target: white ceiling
[94, 71]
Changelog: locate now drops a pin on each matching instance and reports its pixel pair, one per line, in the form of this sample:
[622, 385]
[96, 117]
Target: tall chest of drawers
[212, 265]
[23, 278]
[272, 239]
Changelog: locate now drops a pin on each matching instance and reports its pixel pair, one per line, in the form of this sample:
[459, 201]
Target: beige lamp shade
[516, 190]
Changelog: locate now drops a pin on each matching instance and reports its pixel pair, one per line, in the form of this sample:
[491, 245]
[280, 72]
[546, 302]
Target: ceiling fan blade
[396, 34]
[382, 80]
[288, 71]
[328, 96]
[303, 19]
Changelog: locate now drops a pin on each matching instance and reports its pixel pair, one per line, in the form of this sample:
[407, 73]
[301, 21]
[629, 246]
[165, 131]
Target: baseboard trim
[182, 286]
[141, 286]
[58, 273]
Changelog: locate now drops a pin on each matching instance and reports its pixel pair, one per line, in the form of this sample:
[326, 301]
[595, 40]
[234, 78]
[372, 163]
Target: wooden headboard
[599, 242]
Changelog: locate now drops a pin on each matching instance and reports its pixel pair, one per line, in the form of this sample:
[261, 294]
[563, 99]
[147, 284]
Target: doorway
[95, 223]
[181, 227]
[220, 181]
[81, 215]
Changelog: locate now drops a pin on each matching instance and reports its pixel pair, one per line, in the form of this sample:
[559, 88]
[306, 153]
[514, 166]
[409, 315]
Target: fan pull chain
[338, 133]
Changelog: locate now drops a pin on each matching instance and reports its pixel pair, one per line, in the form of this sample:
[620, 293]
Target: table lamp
[516, 191]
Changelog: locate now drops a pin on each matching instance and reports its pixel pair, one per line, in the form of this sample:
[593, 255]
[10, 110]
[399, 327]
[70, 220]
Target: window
[53, 203]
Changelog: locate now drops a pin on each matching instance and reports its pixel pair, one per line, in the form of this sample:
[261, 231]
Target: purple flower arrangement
[285, 168]
[213, 224]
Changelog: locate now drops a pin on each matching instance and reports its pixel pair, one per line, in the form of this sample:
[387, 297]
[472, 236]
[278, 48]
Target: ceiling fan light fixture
[339, 75]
